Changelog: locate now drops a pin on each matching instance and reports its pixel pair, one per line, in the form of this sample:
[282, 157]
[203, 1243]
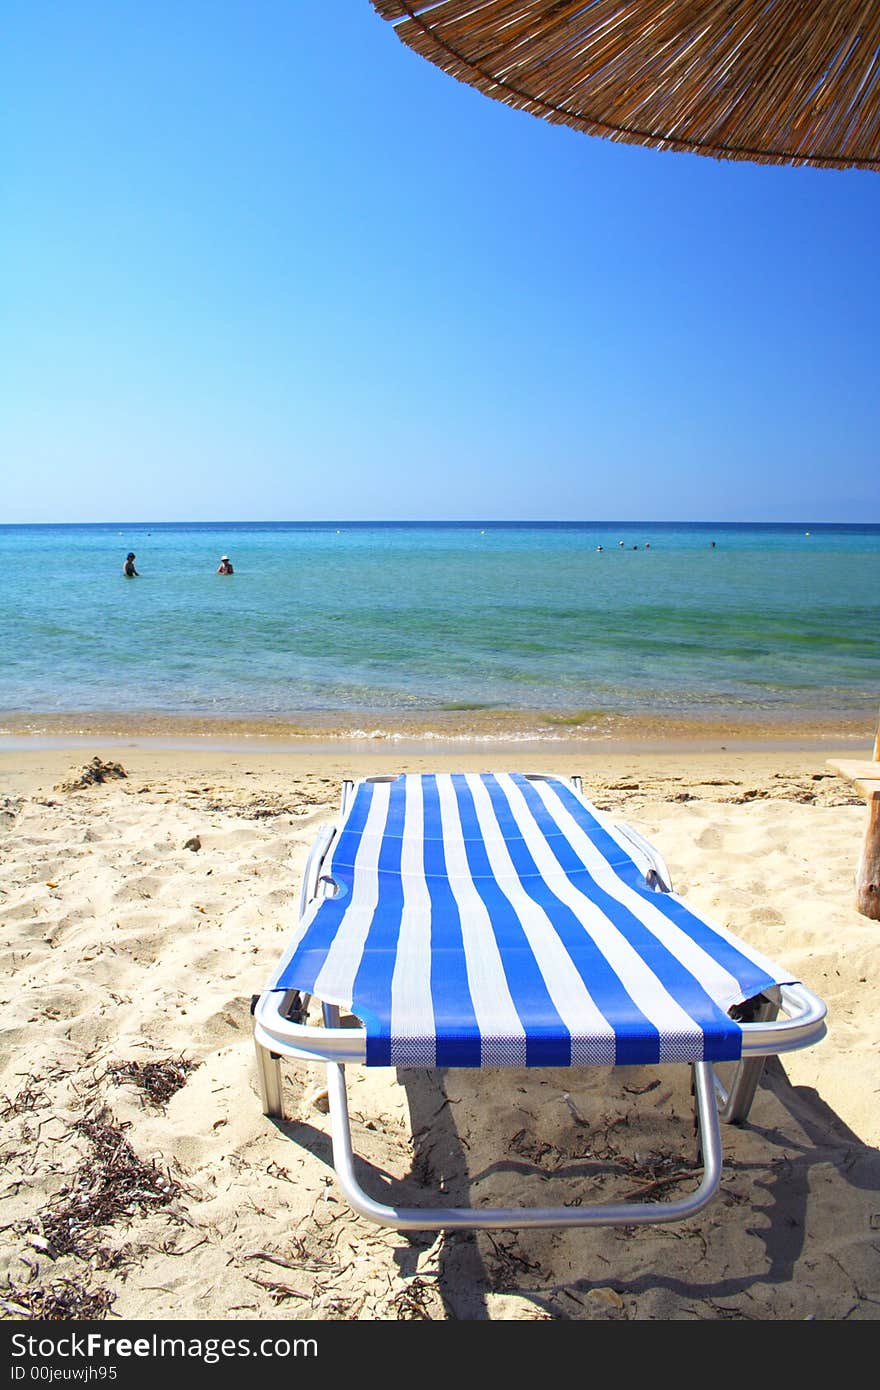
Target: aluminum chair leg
[513, 1218]
[271, 1086]
[737, 1101]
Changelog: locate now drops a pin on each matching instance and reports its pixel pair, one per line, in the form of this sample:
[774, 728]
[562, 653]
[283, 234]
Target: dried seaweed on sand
[112, 1182]
[158, 1080]
[62, 1300]
[93, 773]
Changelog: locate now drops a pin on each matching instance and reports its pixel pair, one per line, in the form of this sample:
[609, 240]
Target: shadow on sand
[794, 1232]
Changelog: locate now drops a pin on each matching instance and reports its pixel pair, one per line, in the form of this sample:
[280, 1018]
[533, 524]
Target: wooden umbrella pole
[866, 776]
[868, 876]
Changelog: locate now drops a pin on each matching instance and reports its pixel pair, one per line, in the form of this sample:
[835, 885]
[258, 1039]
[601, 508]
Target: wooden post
[866, 776]
[868, 876]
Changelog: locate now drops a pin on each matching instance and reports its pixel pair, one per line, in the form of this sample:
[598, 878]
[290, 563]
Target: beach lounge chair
[477, 920]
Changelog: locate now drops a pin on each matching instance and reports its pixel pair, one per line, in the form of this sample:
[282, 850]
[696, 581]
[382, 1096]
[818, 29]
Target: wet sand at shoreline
[130, 946]
[365, 732]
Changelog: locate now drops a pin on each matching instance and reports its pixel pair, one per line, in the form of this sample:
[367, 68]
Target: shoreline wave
[453, 728]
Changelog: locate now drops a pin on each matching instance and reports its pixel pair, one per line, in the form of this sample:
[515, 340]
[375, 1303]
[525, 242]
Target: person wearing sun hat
[128, 568]
[225, 566]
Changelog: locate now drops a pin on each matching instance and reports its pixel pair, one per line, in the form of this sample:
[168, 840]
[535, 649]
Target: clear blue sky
[260, 261]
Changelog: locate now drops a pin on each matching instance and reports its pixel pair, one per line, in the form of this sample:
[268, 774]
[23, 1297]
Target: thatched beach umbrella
[771, 81]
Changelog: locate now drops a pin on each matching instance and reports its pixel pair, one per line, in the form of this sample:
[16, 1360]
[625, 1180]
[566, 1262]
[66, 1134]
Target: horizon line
[469, 521]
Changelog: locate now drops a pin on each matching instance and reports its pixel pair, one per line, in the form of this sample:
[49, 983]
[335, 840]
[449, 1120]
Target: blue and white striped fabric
[496, 920]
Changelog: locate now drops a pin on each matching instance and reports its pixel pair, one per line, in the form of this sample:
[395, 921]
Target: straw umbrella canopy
[771, 81]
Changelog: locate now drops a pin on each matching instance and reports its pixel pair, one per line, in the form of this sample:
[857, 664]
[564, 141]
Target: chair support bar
[804, 1026]
[508, 1218]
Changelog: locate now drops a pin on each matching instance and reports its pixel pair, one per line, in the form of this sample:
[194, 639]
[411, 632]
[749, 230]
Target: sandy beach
[140, 1179]
[429, 388]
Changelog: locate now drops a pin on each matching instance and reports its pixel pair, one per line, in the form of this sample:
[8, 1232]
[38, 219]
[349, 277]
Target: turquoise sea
[772, 622]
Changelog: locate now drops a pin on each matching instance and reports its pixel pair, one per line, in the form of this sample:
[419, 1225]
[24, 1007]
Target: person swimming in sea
[225, 566]
[128, 568]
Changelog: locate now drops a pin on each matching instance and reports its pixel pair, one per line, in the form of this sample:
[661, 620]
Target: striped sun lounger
[501, 920]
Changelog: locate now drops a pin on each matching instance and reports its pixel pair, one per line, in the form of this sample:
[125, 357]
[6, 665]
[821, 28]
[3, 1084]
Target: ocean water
[359, 619]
